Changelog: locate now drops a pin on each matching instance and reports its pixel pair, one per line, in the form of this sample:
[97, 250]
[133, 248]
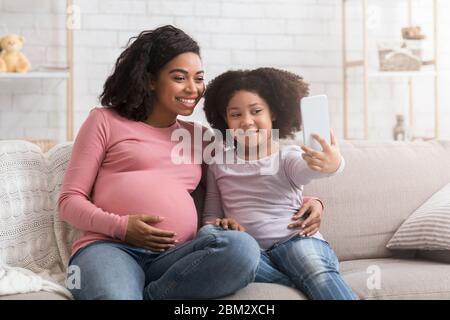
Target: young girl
[132, 201]
[242, 195]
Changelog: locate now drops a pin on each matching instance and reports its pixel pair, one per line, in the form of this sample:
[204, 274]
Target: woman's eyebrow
[184, 71]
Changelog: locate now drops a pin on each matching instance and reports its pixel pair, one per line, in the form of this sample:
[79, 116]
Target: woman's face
[179, 86]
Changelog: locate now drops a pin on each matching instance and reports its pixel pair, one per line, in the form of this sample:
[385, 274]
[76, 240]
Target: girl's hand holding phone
[328, 160]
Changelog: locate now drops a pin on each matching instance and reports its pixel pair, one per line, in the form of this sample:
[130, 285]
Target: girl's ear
[204, 89]
[273, 116]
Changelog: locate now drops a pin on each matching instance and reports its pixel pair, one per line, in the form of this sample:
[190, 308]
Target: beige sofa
[383, 183]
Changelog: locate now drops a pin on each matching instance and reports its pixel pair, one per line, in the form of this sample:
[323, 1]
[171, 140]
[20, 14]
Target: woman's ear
[152, 83]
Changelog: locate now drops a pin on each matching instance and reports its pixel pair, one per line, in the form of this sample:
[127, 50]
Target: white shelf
[430, 68]
[36, 74]
[60, 72]
[400, 74]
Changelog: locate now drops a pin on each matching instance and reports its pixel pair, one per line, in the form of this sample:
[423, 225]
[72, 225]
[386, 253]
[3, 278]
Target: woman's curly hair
[127, 89]
[282, 90]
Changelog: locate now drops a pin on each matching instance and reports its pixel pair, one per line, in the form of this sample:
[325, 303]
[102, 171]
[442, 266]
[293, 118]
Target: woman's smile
[190, 102]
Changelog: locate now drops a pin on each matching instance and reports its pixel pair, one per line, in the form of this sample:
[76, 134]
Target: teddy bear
[11, 56]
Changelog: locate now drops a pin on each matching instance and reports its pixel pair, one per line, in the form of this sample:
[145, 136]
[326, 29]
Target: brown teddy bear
[14, 60]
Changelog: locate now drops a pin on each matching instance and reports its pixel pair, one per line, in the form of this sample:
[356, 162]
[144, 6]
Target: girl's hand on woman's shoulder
[328, 160]
[141, 234]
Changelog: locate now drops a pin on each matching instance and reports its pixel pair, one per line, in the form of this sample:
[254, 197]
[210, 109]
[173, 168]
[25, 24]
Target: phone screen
[315, 119]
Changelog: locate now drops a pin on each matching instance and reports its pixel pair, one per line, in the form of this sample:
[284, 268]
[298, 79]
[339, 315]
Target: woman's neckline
[172, 126]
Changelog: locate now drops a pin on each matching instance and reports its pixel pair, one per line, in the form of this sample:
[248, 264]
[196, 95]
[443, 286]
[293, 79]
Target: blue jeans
[215, 264]
[305, 263]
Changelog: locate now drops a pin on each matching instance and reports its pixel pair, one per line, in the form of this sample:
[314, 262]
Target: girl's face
[179, 87]
[251, 114]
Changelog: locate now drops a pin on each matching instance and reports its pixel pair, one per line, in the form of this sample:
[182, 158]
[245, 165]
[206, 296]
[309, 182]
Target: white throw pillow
[58, 160]
[27, 239]
[428, 228]
[31, 234]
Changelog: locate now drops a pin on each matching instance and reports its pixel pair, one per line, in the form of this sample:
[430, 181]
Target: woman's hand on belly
[141, 234]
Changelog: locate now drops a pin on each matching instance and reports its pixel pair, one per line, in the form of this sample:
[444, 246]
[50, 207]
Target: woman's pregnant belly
[149, 193]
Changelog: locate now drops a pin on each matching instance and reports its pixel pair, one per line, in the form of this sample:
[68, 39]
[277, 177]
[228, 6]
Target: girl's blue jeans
[305, 263]
[215, 264]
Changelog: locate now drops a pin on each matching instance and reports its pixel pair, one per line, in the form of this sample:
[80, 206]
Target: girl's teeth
[250, 133]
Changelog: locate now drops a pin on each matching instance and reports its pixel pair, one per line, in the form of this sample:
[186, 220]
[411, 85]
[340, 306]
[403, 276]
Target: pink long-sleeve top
[121, 167]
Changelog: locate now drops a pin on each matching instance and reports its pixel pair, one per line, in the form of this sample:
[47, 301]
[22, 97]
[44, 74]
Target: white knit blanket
[34, 242]
[15, 280]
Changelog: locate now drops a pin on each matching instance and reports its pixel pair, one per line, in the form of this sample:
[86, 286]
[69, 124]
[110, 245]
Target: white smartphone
[315, 119]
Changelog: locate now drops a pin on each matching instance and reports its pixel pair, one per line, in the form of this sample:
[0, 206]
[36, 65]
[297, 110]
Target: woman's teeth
[187, 101]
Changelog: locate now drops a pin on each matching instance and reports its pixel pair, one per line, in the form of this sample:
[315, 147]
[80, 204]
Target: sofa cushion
[382, 184]
[266, 291]
[397, 278]
[27, 238]
[434, 255]
[428, 228]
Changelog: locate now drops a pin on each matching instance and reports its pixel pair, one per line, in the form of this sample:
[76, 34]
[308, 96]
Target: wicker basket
[399, 57]
[44, 144]
[412, 33]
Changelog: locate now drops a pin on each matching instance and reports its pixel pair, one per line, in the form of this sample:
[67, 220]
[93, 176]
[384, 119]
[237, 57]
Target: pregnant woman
[133, 202]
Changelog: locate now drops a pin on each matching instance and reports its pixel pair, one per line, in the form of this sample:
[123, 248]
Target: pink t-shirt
[121, 167]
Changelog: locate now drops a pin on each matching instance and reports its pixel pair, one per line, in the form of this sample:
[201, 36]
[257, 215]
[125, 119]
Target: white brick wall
[303, 36]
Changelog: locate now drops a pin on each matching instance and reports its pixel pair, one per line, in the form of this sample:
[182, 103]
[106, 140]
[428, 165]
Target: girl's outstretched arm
[303, 164]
